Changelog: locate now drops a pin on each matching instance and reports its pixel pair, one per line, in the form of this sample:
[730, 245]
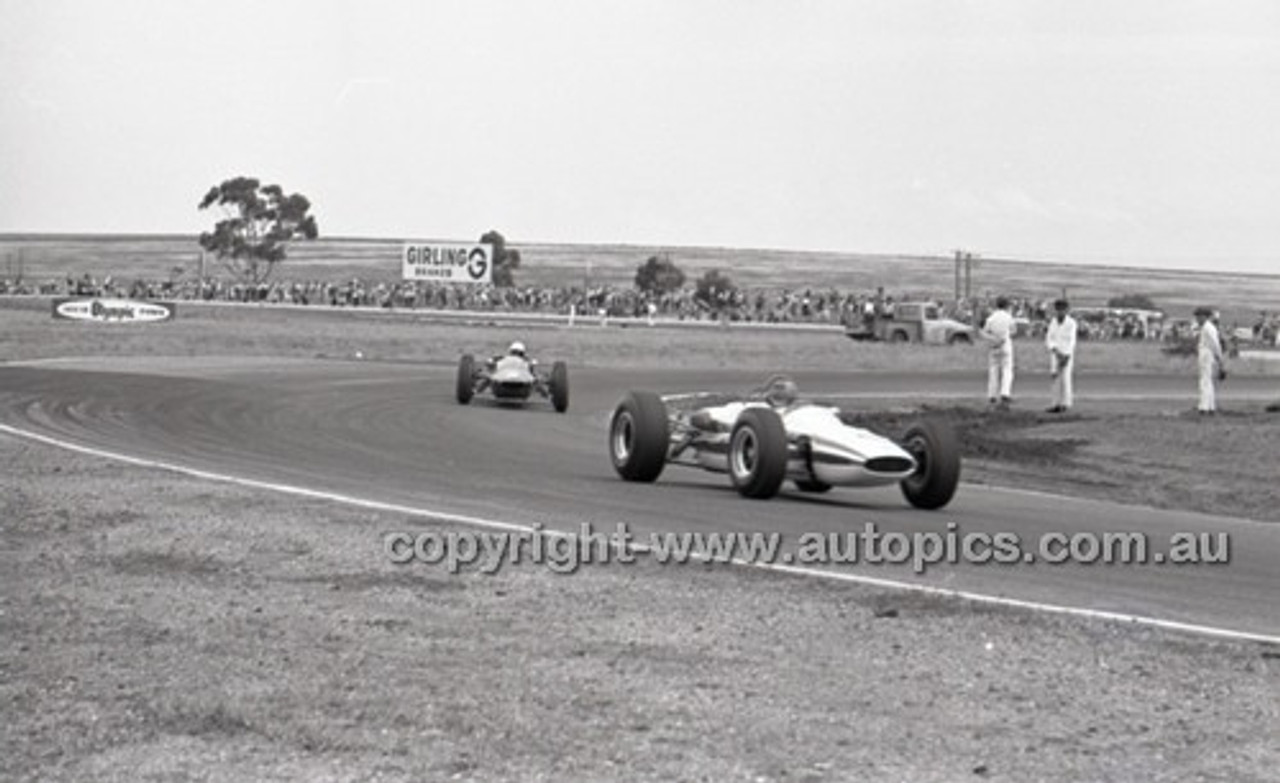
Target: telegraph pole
[964, 275]
[959, 257]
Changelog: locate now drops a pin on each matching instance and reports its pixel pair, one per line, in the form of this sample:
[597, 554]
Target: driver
[517, 350]
[781, 391]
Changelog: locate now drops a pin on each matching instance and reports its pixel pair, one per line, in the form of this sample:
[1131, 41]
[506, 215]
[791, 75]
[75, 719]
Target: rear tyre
[560, 387]
[937, 453]
[960, 339]
[639, 436]
[758, 453]
[466, 386]
[899, 336]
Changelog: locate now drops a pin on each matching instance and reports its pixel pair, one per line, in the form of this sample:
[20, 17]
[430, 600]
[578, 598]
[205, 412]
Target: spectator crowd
[754, 305]
[762, 305]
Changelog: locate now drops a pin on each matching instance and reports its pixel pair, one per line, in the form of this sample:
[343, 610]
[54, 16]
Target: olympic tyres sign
[112, 310]
[448, 263]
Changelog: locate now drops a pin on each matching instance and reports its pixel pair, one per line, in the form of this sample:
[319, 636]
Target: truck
[911, 322]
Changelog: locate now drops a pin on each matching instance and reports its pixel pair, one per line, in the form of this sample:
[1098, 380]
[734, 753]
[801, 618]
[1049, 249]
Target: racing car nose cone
[888, 464]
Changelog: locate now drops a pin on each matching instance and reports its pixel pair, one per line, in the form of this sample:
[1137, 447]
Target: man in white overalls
[998, 332]
[1208, 361]
[1060, 339]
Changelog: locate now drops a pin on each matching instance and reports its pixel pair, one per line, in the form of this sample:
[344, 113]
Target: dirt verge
[1127, 453]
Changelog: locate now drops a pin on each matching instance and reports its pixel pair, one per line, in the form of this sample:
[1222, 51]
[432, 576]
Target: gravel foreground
[164, 628]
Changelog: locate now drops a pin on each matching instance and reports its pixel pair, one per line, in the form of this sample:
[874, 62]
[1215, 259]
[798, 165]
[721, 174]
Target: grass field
[27, 331]
[1240, 296]
[158, 627]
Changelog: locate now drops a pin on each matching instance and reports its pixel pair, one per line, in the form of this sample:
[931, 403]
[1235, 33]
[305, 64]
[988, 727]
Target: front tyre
[758, 453]
[937, 454]
[466, 385]
[639, 436]
[560, 387]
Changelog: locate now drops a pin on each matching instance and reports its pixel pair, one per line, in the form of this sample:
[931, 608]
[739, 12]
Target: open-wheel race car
[767, 437]
[513, 378]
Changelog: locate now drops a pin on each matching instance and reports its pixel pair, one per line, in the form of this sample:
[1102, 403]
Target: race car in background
[513, 378]
[767, 437]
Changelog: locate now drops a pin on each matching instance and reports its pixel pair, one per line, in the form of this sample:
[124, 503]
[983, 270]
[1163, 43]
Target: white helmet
[516, 349]
[781, 391]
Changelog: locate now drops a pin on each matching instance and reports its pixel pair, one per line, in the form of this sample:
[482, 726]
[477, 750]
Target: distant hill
[1240, 295]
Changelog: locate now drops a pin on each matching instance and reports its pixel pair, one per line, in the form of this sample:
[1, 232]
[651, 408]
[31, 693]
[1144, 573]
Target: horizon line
[1002, 258]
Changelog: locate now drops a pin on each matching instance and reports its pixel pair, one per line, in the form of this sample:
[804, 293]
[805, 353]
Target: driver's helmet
[517, 349]
[780, 391]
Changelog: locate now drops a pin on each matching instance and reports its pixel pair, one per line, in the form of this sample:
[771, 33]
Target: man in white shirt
[1061, 342]
[1208, 361]
[998, 331]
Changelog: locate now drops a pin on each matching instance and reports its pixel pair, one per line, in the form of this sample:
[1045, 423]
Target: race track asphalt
[394, 434]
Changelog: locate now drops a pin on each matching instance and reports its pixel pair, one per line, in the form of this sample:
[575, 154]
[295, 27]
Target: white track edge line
[464, 519]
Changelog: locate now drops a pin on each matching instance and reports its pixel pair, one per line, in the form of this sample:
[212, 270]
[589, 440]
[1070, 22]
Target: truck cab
[912, 322]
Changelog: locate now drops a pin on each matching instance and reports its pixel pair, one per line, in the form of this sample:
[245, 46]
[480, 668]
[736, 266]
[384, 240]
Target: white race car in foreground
[761, 446]
[513, 379]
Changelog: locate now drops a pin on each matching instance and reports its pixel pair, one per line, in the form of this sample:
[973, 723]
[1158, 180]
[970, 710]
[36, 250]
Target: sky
[1144, 132]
